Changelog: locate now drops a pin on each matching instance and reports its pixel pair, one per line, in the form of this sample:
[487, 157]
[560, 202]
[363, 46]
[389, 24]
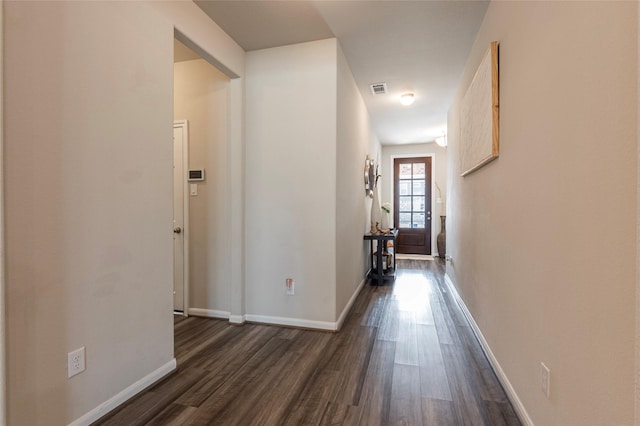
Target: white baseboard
[347, 308]
[237, 319]
[209, 313]
[213, 313]
[240, 319]
[511, 393]
[292, 322]
[125, 395]
[304, 323]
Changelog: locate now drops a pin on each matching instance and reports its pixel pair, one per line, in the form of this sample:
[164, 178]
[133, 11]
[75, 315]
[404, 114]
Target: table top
[391, 235]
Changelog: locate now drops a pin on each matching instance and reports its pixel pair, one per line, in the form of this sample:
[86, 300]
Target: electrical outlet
[545, 379]
[290, 286]
[75, 362]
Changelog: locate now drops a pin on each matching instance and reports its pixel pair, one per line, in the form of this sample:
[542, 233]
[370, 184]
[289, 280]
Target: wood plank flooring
[405, 356]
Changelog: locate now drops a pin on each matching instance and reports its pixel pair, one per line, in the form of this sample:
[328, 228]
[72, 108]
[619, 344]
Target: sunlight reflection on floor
[412, 290]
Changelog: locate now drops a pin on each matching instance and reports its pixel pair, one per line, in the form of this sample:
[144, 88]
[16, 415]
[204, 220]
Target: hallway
[405, 355]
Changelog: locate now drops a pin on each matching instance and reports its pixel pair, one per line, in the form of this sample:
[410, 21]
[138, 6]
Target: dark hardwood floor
[405, 356]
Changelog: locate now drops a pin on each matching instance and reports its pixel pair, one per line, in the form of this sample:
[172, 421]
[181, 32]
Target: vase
[441, 240]
[384, 224]
[376, 214]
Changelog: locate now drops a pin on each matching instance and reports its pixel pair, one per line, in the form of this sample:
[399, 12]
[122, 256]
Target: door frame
[184, 125]
[433, 188]
[3, 336]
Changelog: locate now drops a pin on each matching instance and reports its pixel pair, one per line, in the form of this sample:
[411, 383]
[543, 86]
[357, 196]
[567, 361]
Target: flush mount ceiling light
[407, 99]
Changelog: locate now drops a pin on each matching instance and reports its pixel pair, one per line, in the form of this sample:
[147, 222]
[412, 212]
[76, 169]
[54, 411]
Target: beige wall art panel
[479, 115]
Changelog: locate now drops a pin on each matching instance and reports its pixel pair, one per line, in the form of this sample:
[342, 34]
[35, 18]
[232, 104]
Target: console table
[379, 273]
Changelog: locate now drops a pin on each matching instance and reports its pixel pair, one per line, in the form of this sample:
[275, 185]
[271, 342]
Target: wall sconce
[442, 140]
[407, 99]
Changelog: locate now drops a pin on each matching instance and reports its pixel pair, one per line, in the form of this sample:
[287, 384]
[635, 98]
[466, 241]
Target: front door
[412, 201]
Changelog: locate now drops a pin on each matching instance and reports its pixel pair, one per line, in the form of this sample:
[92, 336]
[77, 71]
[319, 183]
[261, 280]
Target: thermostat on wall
[195, 175]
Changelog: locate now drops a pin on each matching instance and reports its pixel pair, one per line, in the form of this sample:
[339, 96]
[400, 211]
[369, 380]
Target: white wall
[637, 352]
[438, 156]
[3, 370]
[200, 96]
[543, 238]
[88, 195]
[355, 140]
[291, 181]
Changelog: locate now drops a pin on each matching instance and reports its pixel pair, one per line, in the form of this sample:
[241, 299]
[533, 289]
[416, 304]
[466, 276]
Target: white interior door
[180, 217]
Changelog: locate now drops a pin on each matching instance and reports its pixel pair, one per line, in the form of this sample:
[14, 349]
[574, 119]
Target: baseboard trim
[125, 395]
[237, 319]
[209, 313]
[350, 303]
[502, 377]
[292, 322]
[304, 323]
[213, 313]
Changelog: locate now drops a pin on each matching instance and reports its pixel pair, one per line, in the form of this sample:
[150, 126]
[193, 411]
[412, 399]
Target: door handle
[177, 230]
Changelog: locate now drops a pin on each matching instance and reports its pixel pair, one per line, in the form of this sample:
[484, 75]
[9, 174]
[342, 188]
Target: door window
[412, 197]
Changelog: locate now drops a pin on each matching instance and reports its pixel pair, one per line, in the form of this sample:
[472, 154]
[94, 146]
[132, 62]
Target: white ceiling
[418, 46]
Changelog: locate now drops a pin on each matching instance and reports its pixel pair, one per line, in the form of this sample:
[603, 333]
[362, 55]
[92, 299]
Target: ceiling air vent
[378, 88]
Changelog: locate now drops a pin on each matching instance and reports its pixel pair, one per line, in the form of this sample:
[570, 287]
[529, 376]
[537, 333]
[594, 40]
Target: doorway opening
[180, 218]
[412, 201]
[202, 96]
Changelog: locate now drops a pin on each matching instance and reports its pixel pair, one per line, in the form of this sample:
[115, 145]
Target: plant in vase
[386, 212]
[376, 216]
